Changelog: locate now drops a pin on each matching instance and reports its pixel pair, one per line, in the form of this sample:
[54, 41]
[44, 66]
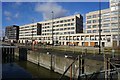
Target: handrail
[67, 69]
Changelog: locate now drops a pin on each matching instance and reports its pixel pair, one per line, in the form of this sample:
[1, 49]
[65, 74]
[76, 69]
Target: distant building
[12, 33]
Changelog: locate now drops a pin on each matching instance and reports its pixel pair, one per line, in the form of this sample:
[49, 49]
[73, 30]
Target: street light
[32, 34]
[52, 28]
[32, 29]
[99, 26]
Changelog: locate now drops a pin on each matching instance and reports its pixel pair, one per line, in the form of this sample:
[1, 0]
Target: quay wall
[60, 64]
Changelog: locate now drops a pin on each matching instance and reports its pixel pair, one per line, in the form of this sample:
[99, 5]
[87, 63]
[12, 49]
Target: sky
[20, 13]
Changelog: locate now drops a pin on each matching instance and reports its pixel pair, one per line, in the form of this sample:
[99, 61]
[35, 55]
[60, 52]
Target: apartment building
[12, 33]
[60, 26]
[109, 23]
[30, 32]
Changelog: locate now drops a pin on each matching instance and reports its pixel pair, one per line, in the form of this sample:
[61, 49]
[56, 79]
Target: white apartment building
[60, 26]
[110, 22]
[69, 30]
[29, 32]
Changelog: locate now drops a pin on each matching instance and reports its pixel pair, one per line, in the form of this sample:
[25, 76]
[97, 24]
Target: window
[88, 17]
[94, 16]
[72, 32]
[94, 31]
[94, 21]
[65, 28]
[61, 21]
[108, 39]
[65, 24]
[114, 24]
[72, 27]
[57, 21]
[72, 19]
[61, 29]
[114, 13]
[68, 24]
[68, 20]
[68, 28]
[114, 29]
[106, 30]
[113, 8]
[89, 21]
[114, 18]
[89, 26]
[61, 25]
[106, 25]
[106, 14]
[88, 31]
[65, 20]
[72, 24]
[65, 32]
[106, 19]
[94, 26]
[57, 25]
[68, 32]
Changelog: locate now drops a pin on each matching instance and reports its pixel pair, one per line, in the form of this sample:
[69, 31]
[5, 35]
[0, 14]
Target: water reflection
[27, 70]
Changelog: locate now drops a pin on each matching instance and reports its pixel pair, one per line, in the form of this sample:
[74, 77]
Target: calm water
[27, 70]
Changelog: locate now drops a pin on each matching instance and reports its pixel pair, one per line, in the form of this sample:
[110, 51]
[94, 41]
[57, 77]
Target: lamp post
[52, 29]
[99, 26]
[32, 34]
[32, 29]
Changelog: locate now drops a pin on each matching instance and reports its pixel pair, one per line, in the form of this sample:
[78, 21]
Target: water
[26, 70]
